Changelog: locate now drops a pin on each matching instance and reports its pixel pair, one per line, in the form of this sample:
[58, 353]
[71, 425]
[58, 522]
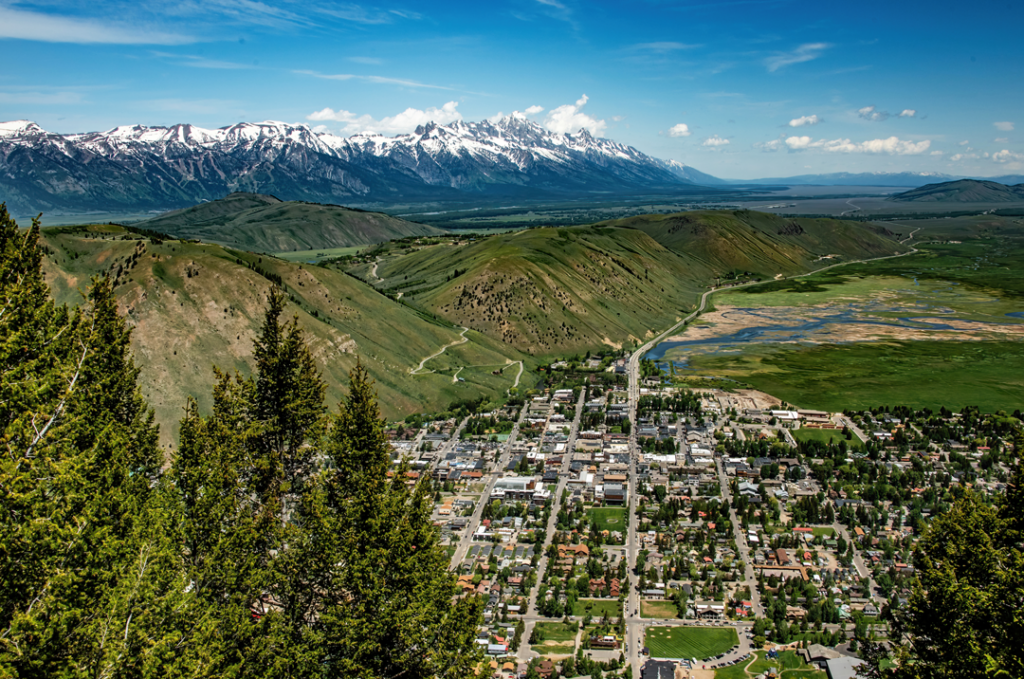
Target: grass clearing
[658, 609]
[690, 642]
[919, 374]
[598, 608]
[319, 255]
[556, 631]
[608, 518]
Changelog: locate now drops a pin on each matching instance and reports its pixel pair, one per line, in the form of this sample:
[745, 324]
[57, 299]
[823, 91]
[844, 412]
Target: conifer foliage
[280, 540]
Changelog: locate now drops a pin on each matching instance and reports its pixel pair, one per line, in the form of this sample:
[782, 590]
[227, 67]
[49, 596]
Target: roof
[843, 667]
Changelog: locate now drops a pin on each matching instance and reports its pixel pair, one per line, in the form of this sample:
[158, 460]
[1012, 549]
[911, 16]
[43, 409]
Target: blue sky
[738, 88]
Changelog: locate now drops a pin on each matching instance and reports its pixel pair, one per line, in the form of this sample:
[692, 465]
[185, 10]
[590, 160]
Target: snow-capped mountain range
[130, 168]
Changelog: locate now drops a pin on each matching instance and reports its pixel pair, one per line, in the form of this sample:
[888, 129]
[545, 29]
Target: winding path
[463, 340]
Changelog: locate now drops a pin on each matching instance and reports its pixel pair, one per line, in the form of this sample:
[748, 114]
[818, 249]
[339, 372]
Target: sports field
[690, 642]
[609, 518]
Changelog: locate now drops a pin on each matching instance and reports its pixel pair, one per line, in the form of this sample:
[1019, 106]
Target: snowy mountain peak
[20, 128]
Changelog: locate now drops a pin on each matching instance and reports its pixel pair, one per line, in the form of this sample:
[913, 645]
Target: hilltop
[549, 290]
[261, 223]
[195, 305]
[964, 191]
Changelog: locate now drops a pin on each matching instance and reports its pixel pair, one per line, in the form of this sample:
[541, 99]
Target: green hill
[259, 223]
[963, 191]
[728, 243]
[193, 305]
[550, 291]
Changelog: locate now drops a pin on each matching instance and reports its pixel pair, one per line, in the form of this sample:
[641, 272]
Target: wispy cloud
[25, 25]
[194, 61]
[890, 146]
[804, 120]
[41, 98]
[1004, 126]
[870, 113]
[908, 113]
[715, 141]
[403, 123]
[806, 52]
[380, 80]
[369, 61]
[663, 47]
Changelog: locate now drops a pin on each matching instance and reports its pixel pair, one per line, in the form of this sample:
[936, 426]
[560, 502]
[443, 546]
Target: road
[474, 521]
[525, 652]
[741, 541]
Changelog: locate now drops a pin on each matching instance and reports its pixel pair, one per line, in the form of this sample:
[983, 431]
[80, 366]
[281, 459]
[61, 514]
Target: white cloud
[798, 143]
[680, 130]
[804, 120]
[402, 123]
[23, 25]
[534, 110]
[569, 118]
[965, 142]
[892, 145]
[1006, 156]
[937, 153]
[1001, 140]
[1004, 126]
[806, 52]
[869, 113]
[715, 141]
[769, 146]
[369, 61]
[908, 113]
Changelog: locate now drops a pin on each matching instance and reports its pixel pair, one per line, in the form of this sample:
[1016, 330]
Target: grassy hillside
[195, 305]
[547, 291]
[259, 223]
[963, 191]
[550, 291]
[730, 243]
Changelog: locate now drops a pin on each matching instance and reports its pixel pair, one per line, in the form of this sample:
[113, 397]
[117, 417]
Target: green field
[608, 518]
[826, 531]
[690, 642]
[820, 435]
[918, 374]
[658, 609]
[557, 638]
[598, 608]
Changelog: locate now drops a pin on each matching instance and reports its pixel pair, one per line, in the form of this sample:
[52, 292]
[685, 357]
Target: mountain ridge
[138, 167]
[963, 191]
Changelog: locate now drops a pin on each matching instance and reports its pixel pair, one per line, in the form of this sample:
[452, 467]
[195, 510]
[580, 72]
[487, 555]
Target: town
[622, 522]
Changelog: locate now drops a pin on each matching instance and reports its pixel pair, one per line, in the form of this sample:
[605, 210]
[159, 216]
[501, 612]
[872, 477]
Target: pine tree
[79, 534]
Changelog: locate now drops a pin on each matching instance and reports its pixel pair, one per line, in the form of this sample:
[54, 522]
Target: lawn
[658, 609]
[819, 435]
[608, 518]
[598, 608]
[556, 631]
[737, 671]
[792, 666]
[826, 531]
[690, 642]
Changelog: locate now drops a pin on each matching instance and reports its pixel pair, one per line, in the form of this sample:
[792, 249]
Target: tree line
[278, 541]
